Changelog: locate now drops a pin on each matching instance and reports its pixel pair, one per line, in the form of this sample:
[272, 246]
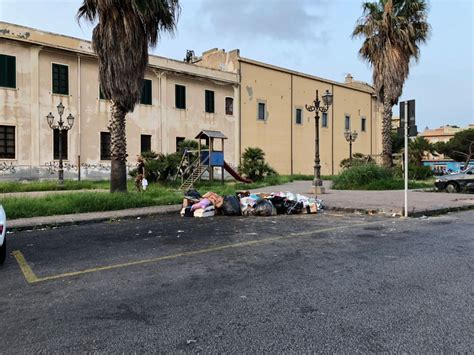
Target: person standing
[140, 173]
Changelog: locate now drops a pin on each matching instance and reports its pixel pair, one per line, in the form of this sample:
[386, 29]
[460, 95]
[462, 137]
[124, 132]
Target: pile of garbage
[245, 203]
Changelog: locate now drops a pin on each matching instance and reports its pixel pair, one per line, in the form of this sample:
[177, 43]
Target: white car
[3, 233]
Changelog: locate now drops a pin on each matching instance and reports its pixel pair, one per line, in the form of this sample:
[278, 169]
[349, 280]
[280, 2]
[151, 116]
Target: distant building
[443, 134]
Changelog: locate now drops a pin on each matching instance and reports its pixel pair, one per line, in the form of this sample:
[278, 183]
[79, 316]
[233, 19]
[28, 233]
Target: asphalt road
[324, 283]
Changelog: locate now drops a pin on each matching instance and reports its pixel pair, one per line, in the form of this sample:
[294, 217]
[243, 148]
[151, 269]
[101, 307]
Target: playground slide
[235, 174]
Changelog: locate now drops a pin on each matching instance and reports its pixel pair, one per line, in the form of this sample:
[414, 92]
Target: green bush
[254, 166]
[159, 167]
[357, 159]
[415, 172]
[360, 175]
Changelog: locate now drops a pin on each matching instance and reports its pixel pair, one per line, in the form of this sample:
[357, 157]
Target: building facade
[254, 104]
[274, 118]
[39, 70]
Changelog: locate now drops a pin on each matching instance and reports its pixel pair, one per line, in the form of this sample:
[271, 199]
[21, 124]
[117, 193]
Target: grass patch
[81, 202]
[15, 186]
[373, 177]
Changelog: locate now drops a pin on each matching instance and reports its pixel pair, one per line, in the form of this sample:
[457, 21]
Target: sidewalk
[385, 202]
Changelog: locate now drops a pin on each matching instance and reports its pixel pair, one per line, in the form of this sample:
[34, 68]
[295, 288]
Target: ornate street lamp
[350, 137]
[316, 107]
[61, 126]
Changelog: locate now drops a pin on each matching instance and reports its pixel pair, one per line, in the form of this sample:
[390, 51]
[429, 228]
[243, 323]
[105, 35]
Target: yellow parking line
[32, 278]
[25, 268]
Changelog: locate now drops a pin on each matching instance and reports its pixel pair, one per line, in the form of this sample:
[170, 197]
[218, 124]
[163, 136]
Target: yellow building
[254, 104]
[274, 118]
[39, 70]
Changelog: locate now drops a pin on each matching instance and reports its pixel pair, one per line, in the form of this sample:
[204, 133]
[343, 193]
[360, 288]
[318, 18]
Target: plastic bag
[231, 206]
[201, 204]
[279, 204]
[293, 207]
[144, 183]
[264, 208]
[192, 195]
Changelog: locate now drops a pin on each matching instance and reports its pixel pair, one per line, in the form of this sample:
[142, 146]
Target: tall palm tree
[125, 30]
[393, 31]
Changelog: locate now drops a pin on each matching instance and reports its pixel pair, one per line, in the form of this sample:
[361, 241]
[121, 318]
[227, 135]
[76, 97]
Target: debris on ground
[244, 203]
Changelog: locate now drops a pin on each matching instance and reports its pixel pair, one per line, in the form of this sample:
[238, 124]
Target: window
[229, 106]
[7, 71]
[146, 93]
[56, 144]
[299, 116]
[363, 124]
[145, 143]
[180, 96]
[325, 120]
[102, 95]
[179, 140]
[7, 142]
[347, 124]
[60, 79]
[209, 101]
[261, 115]
[104, 145]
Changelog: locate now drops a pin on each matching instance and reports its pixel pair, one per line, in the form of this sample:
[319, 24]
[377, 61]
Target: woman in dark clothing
[140, 173]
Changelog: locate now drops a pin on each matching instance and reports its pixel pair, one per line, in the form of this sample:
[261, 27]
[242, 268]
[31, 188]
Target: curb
[417, 214]
[68, 220]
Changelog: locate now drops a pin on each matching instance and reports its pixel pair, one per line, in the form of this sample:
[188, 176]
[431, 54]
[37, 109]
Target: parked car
[3, 233]
[456, 182]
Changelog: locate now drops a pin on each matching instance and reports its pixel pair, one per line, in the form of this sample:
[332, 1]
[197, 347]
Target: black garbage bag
[192, 195]
[279, 203]
[263, 208]
[231, 206]
[293, 207]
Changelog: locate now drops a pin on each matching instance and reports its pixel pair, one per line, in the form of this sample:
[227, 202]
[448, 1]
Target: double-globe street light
[61, 127]
[350, 137]
[316, 107]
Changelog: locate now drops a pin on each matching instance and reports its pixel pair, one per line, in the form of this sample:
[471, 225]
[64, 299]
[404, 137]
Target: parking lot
[289, 283]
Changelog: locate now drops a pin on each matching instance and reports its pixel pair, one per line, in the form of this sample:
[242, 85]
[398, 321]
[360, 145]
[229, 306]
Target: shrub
[359, 176]
[415, 172]
[254, 166]
[357, 159]
[159, 167]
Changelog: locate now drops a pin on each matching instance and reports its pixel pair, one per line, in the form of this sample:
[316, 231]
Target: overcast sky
[311, 36]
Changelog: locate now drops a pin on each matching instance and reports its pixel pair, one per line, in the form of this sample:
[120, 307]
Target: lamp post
[316, 108]
[61, 127]
[350, 137]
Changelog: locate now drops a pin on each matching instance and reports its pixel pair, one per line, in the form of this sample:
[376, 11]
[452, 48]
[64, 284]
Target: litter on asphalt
[245, 203]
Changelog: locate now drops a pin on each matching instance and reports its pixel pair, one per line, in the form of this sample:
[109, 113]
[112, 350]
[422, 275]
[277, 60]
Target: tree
[417, 149]
[253, 164]
[393, 31]
[460, 147]
[121, 38]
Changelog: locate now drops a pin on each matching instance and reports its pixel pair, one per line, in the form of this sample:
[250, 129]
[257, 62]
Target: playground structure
[192, 167]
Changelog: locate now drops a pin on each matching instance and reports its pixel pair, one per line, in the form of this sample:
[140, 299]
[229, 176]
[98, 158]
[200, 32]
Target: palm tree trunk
[387, 133]
[118, 150]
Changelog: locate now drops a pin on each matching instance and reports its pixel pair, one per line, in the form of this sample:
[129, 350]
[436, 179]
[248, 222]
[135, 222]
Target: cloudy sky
[312, 36]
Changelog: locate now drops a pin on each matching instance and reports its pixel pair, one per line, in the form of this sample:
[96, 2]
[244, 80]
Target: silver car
[3, 233]
[463, 181]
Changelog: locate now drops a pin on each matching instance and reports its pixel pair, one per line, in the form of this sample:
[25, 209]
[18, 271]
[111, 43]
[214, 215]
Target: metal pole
[61, 170]
[406, 158]
[317, 161]
[350, 150]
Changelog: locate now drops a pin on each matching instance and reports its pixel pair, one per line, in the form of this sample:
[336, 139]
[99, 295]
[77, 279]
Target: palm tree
[125, 30]
[419, 148]
[393, 31]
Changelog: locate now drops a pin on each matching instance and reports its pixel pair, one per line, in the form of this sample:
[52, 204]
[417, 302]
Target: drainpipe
[79, 116]
[291, 126]
[332, 130]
